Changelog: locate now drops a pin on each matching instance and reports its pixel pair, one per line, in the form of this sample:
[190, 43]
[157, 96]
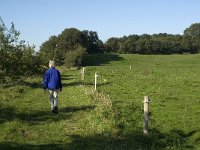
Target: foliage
[193, 34]
[66, 47]
[161, 43]
[48, 50]
[75, 58]
[57, 47]
[16, 58]
[112, 45]
[70, 38]
[193, 30]
[94, 45]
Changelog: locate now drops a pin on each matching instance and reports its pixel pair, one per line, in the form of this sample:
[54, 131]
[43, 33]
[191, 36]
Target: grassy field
[112, 116]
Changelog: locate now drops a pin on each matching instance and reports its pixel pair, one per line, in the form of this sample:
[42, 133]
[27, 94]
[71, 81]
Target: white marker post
[83, 73]
[95, 81]
[130, 66]
[146, 115]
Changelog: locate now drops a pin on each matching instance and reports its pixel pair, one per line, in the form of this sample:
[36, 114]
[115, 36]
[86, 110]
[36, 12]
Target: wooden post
[83, 73]
[95, 81]
[146, 115]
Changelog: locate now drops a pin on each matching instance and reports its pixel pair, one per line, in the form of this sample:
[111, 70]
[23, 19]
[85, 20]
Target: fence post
[95, 81]
[83, 73]
[146, 115]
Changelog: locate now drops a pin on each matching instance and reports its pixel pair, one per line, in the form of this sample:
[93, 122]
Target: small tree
[10, 51]
[75, 58]
[48, 50]
[194, 33]
[16, 59]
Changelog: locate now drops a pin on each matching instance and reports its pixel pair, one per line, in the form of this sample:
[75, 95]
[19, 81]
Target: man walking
[52, 82]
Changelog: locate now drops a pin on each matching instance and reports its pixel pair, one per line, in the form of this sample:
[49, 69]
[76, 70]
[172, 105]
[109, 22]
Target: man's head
[51, 63]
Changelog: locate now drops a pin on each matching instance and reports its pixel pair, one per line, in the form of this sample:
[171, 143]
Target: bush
[17, 60]
[75, 58]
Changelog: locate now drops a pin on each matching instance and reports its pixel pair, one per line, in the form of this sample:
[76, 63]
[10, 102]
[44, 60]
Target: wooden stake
[146, 115]
[83, 73]
[95, 81]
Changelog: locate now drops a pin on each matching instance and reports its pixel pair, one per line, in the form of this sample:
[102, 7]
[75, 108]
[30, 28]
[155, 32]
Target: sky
[37, 20]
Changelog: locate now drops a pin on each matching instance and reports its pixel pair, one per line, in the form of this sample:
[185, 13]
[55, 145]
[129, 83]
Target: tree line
[79, 43]
[161, 43]
[71, 46]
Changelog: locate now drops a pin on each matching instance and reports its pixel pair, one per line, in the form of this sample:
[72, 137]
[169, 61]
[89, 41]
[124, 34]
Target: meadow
[112, 116]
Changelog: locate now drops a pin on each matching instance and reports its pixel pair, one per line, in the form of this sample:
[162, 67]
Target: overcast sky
[37, 20]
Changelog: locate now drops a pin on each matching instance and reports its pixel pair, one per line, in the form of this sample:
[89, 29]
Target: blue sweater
[52, 79]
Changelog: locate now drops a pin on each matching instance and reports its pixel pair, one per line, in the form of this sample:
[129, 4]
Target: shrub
[17, 60]
[75, 58]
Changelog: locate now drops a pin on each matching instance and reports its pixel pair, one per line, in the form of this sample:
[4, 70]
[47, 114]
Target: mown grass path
[27, 122]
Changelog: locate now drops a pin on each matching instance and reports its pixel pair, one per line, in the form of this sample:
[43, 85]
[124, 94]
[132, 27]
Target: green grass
[171, 82]
[111, 118]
